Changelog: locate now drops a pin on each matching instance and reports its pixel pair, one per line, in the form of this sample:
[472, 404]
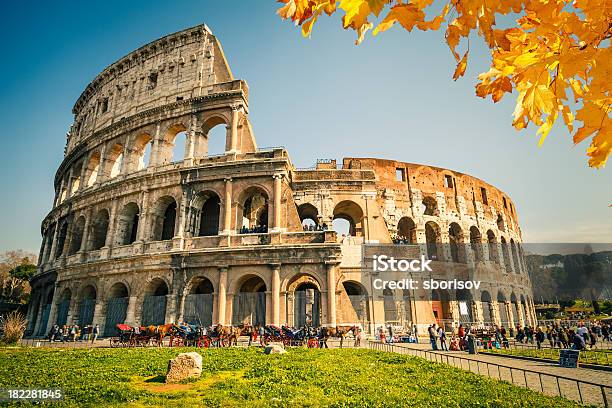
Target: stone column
[495, 312]
[331, 292]
[112, 220]
[155, 147]
[85, 238]
[143, 218]
[221, 301]
[130, 315]
[52, 312]
[170, 309]
[276, 294]
[180, 314]
[510, 314]
[98, 317]
[227, 207]
[277, 192]
[70, 181]
[233, 130]
[84, 167]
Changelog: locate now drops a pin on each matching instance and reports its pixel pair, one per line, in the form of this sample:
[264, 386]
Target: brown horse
[157, 333]
[224, 334]
[337, 332]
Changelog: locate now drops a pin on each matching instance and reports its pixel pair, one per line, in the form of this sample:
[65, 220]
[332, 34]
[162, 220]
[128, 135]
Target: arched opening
[487, 312]
[199, 302]
[178, 148]
[524, 310]
[254, 210]
[154, 304]
[250, 302]
[429, 206]
[500, 223]
[352, 214]
[457, 247]
[76, 180]
[63, 307]
[440, 307]
[358, 297]
[141, 152]
[46, 311]
[433, 239]
[309, 216]
[464, 301]
[77, 236]
[502, 309]
[476, 244]
[93, 168]
[515, 258]
[514, 308]
[506, 255]
[206, 211]
[115, 160]
[406, 231]
[87, 306]
[492, 246]
[116, 308]
[127, 224]
[390, 307]
[406, 310]
[99, 230]
[164, 219]
[215, 137]
[49, 234]
[61, 238]
[307, 305]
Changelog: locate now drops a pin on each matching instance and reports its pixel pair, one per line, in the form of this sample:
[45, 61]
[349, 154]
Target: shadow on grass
[158, 379]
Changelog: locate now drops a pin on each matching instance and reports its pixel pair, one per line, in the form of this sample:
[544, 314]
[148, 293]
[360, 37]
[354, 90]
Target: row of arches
[144, 150]
[161, 223]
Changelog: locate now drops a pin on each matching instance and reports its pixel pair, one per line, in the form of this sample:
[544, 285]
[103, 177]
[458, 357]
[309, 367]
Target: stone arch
[76, 181]
[127, 224]
[93, 169]
[249, 301]
[62, 234]
[523, 306]
[253, 208]
[514, 307]
[140, 154]
[114, 160]
[506, 255]
[116, 306]
[456, 239]
[351, 212]
[166, 146]
[76, 240]
[476, 243]
[164, 218]
[359, 300]
[99, 229]
[306, 301]
[440, 306]
[214, 127]
[309, 215]
[63, 307]
[205, 213]
[433, 239]
[154, 303]
[465, 300]
[429, 206]
[487, 311]
[406, 230]
[87, 296]
[198, 306]
[500, 223]
[492, 245]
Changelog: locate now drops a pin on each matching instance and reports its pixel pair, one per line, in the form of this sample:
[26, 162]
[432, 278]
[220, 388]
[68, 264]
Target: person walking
[540, 336]
[95, 332]
[442, 335]
[432, 337]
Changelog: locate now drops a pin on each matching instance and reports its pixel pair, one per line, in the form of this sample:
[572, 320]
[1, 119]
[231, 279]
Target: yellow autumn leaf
[405, 14]
[461, 66]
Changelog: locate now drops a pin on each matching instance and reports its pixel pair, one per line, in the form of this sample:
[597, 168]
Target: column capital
[223, 268]
[228, 179]
[275, 265]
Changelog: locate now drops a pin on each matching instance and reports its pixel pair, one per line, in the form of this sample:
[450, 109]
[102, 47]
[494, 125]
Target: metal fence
[584, 392]
[154, 310]
[116, 310]
[199, 309]
[598, 357]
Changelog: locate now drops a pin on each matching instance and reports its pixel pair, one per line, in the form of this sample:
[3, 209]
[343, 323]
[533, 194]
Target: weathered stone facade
[219, 239]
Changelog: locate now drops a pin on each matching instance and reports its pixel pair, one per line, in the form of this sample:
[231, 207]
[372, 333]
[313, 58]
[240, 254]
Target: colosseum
[142, 234]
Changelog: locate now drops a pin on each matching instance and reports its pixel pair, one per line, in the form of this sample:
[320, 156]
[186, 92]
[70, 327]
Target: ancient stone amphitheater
[143, 235]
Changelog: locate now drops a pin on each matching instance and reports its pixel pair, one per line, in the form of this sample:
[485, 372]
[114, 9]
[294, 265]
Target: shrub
[12, 327]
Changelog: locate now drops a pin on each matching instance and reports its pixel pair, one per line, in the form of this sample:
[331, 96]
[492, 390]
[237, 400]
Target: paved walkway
[539, 376]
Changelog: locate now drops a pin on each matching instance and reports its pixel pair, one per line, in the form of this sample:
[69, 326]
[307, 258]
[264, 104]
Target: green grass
[246, 377]
[586, 356]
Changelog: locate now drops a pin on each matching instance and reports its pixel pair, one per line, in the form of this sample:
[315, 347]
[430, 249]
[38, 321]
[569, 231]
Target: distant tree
[16, 269]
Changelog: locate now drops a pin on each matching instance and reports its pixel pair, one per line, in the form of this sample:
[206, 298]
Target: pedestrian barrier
[585, 392]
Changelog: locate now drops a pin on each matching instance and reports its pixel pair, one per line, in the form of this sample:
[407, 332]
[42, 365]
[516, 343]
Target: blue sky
[391, 97]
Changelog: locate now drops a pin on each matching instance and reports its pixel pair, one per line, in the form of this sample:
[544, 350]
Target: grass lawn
[243, 377]
[586, 356]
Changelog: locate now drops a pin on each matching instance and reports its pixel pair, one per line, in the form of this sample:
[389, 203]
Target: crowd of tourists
[560, 336]
[74, 333]
[257, 229]
[316, 227]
